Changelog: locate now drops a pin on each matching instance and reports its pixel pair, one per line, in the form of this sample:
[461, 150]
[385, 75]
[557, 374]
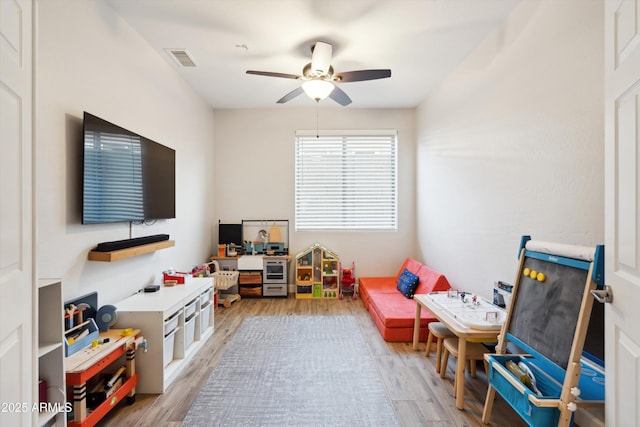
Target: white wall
[254, 178]
[90, 59]
[512, 144]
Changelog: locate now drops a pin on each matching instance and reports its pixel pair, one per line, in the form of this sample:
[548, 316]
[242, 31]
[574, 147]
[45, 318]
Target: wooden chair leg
[445, 360]
[455, 385]
[439, 355]
[429, 340]
[472, 363]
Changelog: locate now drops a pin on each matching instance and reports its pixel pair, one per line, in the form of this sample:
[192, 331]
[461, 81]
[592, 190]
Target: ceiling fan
[318, 78]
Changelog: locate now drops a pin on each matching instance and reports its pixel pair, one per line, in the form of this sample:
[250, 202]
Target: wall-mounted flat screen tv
[126, 177]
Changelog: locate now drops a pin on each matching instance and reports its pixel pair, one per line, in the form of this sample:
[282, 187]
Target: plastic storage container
[171, 322]
[169, 345]
[205, 312]
[206, 296]
[190, 330]
[189, 309]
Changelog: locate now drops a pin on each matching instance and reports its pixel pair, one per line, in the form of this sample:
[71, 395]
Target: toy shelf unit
[177, 321]
[549, 361]
[317, 273]
[50, 361]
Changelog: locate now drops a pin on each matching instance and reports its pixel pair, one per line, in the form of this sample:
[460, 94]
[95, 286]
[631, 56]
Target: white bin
[189, 309]
[206, 296]
[169, 343]
[171, 322]
[189, 331]
[205, 312]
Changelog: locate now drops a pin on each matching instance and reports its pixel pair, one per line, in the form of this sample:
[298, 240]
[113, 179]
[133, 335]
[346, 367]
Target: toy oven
[275, 270]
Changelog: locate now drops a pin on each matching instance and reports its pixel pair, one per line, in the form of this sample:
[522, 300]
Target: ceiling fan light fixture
[317, 89]
[318, 79]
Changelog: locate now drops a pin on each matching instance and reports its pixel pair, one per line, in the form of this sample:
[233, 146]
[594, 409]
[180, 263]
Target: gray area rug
[294, 371]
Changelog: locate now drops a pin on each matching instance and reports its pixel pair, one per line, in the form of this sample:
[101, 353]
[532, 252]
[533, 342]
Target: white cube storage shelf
[50, 362]
[176, 321]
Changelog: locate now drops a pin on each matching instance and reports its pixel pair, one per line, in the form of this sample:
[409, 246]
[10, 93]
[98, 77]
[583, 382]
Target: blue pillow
[407, 283]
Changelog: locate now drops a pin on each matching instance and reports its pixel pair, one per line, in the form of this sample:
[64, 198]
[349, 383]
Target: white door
[16, 220]
[622, 211]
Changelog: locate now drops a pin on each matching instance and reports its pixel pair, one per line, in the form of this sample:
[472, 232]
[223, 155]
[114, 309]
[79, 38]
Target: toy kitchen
[259, 251]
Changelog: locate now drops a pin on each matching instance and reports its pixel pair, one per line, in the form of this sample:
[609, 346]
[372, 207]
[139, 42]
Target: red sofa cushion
[431, 281]
[396, 311]
[404, 334]
[379, 284]
[393, 313]
[374, 284]
[410, 264]
[388, 284]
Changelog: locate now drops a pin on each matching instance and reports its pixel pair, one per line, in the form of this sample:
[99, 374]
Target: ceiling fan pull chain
[317, 119]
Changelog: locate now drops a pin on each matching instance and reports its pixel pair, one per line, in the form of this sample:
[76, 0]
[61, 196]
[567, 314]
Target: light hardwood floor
[419, 395]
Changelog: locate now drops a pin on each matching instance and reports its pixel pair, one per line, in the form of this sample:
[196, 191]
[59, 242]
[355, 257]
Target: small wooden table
[465, 320]
[87, 363]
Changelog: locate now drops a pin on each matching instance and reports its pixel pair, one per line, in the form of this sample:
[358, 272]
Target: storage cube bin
[205, 312]
[190, 308]
[206, 296]
[304, 289]
[526, 403]
[169, 344]
[190, 331]
[171, 322]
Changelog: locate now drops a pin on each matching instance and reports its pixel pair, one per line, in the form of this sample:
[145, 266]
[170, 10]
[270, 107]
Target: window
[346, 181]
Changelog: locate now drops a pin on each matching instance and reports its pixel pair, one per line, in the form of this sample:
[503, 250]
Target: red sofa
[393, 313]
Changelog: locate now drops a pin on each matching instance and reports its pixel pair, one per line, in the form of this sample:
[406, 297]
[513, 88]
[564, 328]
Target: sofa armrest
[431, 281]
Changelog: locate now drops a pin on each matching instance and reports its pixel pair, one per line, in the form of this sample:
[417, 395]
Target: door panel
[10, 209]
[622, 211]
[16, 219]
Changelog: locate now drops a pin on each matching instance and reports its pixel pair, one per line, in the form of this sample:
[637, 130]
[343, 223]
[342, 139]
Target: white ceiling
[421, 41]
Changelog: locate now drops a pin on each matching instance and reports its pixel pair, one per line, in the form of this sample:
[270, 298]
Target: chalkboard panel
[545, 314]
[594, 342]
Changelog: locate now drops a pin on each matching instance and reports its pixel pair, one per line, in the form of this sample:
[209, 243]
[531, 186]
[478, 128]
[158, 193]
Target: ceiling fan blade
[321, 58]
[291, 95]
[270, 74]
[361, 75]
[340, 96]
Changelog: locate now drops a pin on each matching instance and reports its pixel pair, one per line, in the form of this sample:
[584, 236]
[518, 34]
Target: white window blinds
[346, 181]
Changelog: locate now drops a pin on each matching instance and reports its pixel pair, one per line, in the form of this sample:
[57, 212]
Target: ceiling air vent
[182, 57]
